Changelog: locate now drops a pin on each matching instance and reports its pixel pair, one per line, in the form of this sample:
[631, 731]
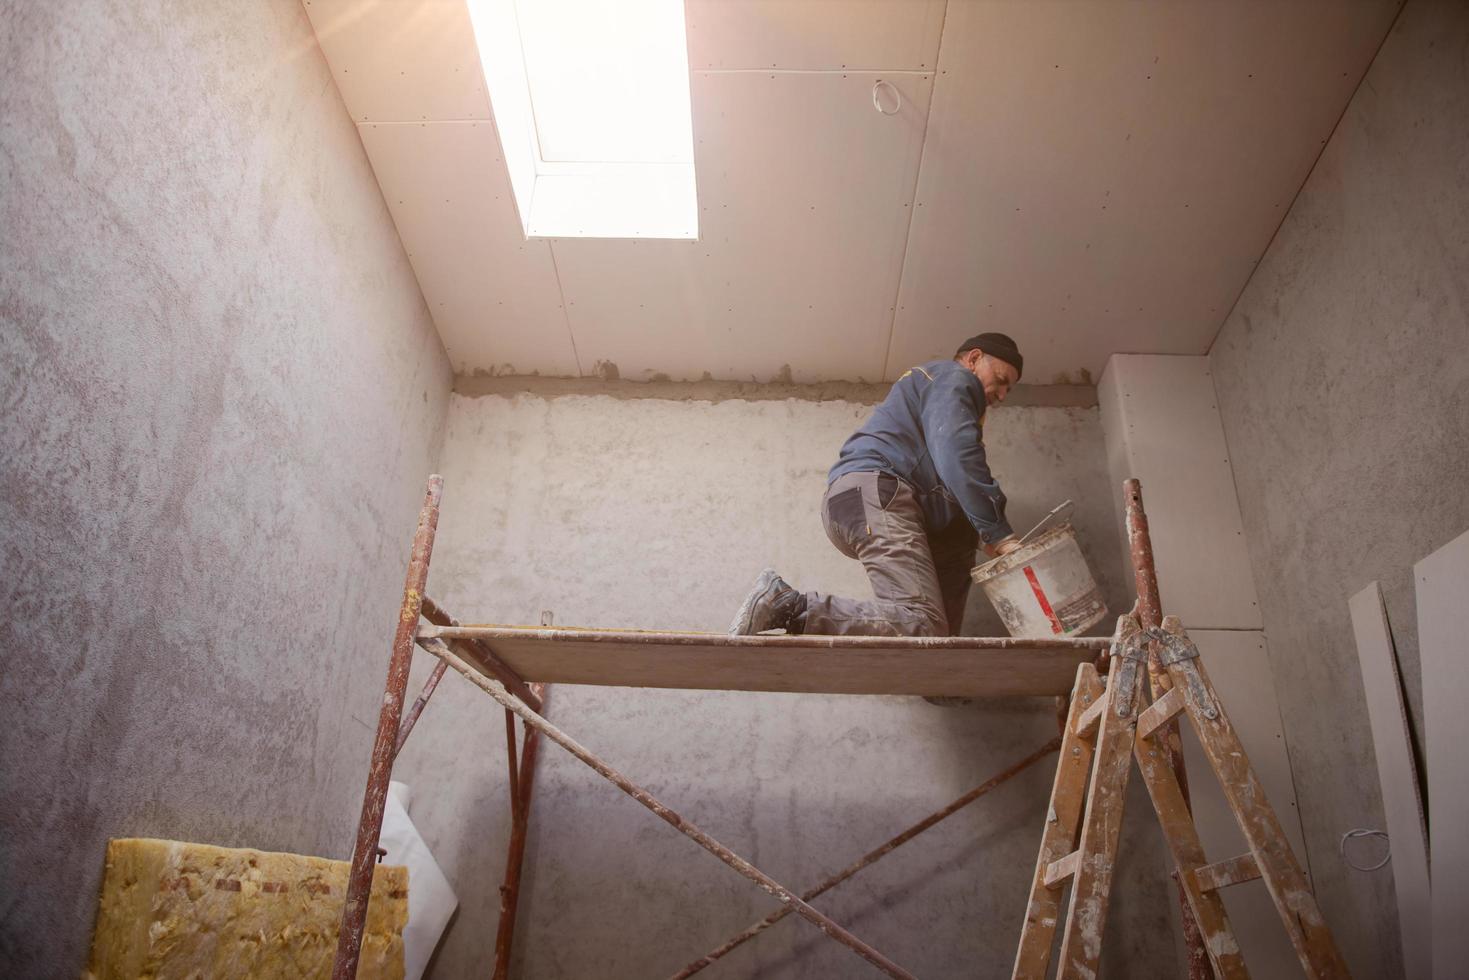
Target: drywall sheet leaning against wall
[1401, 799]
[1442, 584]
[1161, 423]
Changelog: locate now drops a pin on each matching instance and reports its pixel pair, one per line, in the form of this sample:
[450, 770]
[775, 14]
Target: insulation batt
[172, 909]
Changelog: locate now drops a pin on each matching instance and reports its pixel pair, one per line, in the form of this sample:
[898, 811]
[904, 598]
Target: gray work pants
[920, 576]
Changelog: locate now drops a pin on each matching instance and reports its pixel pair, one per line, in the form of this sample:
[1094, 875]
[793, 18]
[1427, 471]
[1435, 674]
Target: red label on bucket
[1040, 596]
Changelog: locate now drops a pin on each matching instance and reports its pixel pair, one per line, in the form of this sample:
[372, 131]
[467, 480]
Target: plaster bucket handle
[1063, 505]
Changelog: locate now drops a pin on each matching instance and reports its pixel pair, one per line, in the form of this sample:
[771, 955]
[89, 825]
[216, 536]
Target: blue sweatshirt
[927, 432]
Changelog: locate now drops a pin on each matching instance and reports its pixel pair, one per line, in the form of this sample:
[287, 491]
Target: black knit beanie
[995, 345]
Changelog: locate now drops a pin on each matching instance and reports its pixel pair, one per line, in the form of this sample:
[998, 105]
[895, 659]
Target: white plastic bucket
[1044, 588]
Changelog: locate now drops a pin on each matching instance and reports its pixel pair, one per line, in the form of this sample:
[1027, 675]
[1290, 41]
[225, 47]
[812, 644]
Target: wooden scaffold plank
[958, 666]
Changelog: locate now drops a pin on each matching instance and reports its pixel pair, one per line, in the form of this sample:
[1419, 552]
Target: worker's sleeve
[952, 407]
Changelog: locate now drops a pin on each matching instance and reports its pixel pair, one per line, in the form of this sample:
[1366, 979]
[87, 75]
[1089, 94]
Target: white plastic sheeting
[431, 900]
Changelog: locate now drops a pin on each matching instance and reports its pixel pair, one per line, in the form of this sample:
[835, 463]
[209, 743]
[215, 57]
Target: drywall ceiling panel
[493, 295]
[1238, 664]
[1103, 177]
[814, 34]
[401, 61]
[804, 195]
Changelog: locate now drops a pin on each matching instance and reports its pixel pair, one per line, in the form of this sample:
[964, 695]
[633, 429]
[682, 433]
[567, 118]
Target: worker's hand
[1003, 547]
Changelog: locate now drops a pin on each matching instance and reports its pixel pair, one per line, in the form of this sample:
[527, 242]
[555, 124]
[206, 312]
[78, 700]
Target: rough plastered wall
[1343, 381]
[221, 396]
[658, 513]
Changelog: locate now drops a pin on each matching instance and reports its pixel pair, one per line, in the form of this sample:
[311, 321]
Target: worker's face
[996, 375]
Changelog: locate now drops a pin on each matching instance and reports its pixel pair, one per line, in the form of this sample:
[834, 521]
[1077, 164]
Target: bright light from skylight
[591, 98]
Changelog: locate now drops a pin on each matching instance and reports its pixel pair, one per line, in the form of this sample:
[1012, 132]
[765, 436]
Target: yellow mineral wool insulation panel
[173, 909]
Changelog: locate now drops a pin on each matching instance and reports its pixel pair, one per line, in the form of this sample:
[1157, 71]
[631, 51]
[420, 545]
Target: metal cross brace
[828, 927]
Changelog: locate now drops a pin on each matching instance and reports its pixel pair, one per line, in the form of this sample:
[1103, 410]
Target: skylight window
[591, 99]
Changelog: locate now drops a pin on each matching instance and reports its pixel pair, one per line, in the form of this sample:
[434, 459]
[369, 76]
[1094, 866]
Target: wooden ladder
[1107, 726]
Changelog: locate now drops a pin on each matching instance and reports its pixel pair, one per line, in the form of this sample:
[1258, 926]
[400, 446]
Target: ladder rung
[1086, 725]
[1059, 870]
[1159, 713]
[1222, 874]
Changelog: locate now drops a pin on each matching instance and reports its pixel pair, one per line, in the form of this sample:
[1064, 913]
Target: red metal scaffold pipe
[1150, 614]
[385, 745]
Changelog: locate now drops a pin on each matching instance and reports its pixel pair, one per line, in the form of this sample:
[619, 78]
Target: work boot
[771, 605]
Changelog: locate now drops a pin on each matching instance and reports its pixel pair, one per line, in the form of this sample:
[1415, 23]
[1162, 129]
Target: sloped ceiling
[1090, 177]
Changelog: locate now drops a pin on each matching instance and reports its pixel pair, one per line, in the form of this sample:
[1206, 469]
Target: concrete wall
[1343, 380]
[658, 513]
[221, 395]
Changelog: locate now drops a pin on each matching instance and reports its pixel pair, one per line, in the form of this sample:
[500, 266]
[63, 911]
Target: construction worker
[910, 496]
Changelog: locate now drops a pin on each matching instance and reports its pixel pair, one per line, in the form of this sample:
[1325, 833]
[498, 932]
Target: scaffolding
[516, 665]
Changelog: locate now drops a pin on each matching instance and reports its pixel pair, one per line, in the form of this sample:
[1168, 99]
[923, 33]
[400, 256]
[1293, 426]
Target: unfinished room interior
[787, 489]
